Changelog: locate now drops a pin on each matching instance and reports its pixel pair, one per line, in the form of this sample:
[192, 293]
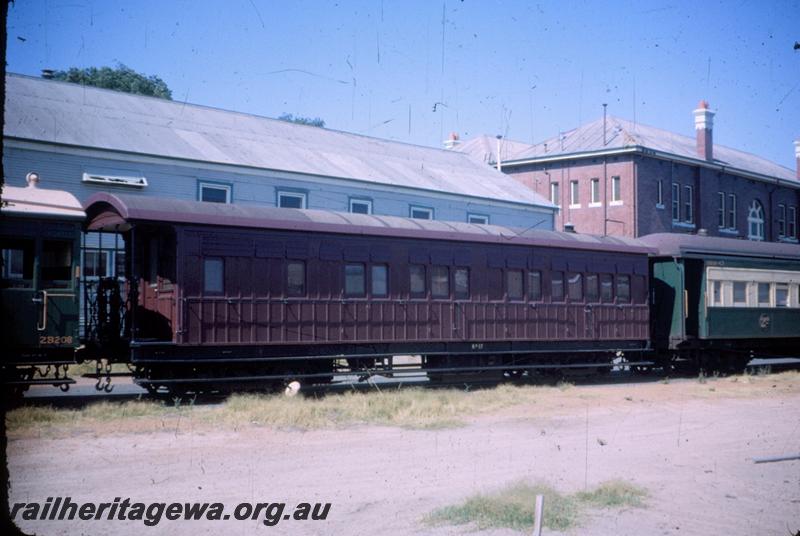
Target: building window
[688, 201]
[291, 199]
[96, 263]
[792, 223]
[514, 284]
[461, 280]
[575, 287]
[417, 279]
[676, 201]
[555, 195]
[213, 275]
[574, 199]
[380, 280]
[212, 192]
[557, 286]
[616, 192]
[355, 279]
[731, 211]
[660, 194]
[595, 191]
[781, 220]
[755, 221]
[296, 278]
[440, 281]
[360, 206]
[421, 213]
[721, 210]
[478, 218]
[535, 285]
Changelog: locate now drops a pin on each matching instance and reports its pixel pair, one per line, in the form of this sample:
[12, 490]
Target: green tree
[316, 122]
[121, 78]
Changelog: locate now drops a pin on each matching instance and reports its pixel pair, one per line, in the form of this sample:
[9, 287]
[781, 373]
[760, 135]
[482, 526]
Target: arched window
[755, 221]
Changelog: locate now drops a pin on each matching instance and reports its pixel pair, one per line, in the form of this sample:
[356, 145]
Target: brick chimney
[797, 157]
[704, 126]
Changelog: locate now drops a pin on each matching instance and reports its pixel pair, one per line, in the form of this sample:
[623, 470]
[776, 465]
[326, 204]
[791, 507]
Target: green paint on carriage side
[39, 311]
[750, 322]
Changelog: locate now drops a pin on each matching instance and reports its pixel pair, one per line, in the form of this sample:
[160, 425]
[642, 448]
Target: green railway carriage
[719, 299]
[40, 234]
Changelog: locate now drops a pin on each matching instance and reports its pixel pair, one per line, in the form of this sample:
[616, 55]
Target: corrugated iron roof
[65, 113]
[133, 208]
[621, 133]
[679, 245]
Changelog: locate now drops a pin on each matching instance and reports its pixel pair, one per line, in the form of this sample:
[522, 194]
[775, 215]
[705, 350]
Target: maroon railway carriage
[249, 294]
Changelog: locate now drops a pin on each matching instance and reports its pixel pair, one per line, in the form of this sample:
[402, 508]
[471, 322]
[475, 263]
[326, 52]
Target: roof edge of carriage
[119, 212]
[688, 245]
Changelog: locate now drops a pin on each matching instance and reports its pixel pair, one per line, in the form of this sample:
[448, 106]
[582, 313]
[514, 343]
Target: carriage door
[592, 301]
[57, 315]
[19, 311]
[461, 303]
[155, 318]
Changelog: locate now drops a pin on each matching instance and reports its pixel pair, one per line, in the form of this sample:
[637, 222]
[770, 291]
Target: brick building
[616, 177]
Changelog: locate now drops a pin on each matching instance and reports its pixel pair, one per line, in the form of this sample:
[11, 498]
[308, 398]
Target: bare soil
[690, 444]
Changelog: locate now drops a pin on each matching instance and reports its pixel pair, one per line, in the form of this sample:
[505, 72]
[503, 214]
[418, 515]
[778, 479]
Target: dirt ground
[689, 444]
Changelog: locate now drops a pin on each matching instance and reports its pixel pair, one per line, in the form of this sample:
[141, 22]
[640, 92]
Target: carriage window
[514, 284]
[296, 278]
[739, 293]
[213, 275]
[354, 280]
[461, 280]
[592, 290]
[417, 279]
[557, 286]
[535, 285]
[56, 264]
[763, 295]
[380, 280]
[781, 295]
[440, 282]
[17, 263]
[606, 288]
[716, 292]
[575, 287]
[623, 288]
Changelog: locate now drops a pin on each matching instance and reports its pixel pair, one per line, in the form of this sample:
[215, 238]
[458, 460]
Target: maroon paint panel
[256, 309]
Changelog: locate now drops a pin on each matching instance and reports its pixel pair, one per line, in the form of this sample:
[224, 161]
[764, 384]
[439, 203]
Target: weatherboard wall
[63, 168]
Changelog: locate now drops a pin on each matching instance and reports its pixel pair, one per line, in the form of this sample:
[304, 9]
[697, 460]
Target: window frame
[411, 292]
[372, 268]
[760, 230]
[555, 276]
[460, 295]
[618, 297]
[676, 202]
[721, 212]
[206, 290]
[484, 217]
[359, 200]
[535, 296]
[731, 216]
[594, 192]
[791, 229]
[419, 208]
[616, 190]
[688, 203]
[519, 273]
[214, 185]
[571, 277]
[304, 289]
[436, 271]
[574, 194]
[781, 220]
[555, 193]
[357, 293]
[295, 194]
[660, 194]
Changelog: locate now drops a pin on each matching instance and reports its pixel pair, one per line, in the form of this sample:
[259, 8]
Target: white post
[537, 523]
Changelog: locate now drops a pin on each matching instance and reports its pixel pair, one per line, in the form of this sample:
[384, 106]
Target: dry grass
[409, 408]
[513, 507]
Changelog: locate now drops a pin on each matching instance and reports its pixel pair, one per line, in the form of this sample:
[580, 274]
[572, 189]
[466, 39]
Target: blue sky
[415, 71]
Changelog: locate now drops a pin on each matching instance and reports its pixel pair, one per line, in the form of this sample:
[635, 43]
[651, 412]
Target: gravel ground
[690, 444]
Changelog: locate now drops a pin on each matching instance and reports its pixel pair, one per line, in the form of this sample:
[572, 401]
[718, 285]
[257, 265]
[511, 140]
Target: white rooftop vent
[115, 180]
